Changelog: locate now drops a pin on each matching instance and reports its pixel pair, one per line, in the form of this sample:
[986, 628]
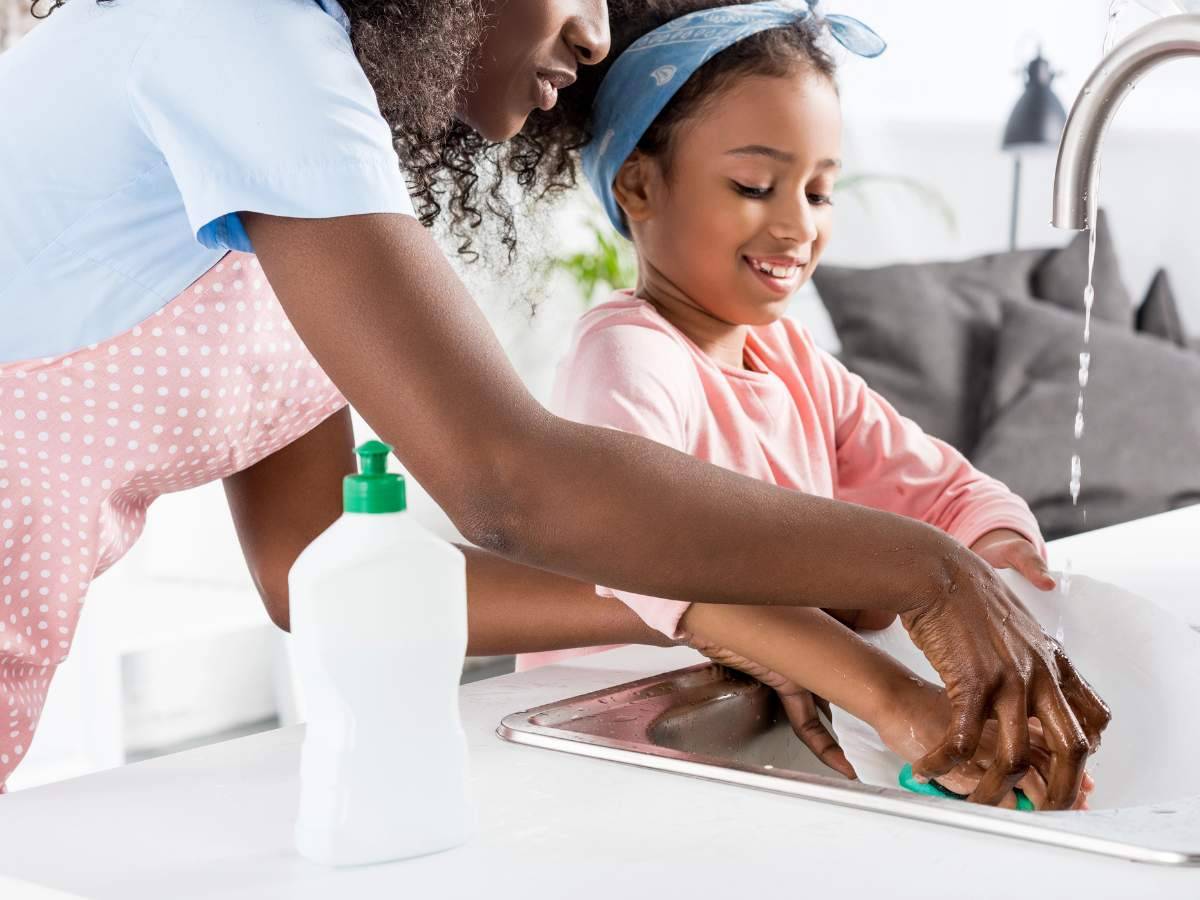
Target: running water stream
[1116, 9]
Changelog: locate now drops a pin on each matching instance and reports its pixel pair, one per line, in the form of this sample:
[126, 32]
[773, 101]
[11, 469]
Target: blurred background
[175, 650]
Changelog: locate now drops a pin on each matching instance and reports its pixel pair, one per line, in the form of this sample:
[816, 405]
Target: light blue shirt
[133, 133]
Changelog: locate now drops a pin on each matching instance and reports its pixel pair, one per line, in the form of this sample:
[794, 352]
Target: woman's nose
[587, 32]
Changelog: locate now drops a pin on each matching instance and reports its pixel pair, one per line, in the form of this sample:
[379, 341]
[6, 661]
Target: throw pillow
[1062, 276]
[923, 335]
[1141, 444]
[1159, 314]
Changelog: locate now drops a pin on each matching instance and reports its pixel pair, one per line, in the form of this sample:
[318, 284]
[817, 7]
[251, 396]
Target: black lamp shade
[1039, 117]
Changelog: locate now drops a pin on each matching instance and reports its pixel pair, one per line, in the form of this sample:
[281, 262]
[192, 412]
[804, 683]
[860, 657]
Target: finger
[1040, 761]
[967, 718]
[1068, 746]
[1012, 757]
[1029, 563]
[1091, 711]
[801, 711]
[962, 779]
[1034, 787]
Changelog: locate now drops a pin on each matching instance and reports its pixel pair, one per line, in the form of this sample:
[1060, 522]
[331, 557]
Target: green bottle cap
[374, 489]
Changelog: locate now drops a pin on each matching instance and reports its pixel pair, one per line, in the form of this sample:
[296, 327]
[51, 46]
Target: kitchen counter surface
[216, 822]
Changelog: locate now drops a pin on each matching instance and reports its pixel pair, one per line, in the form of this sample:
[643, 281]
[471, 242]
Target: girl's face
[530, 52]
[740, 217]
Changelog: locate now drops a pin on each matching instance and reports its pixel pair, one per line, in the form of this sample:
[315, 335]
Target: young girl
[721, 172]
[207, 248]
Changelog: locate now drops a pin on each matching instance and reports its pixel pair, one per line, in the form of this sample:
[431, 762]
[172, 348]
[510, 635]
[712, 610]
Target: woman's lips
[549, 83]
[547, 94]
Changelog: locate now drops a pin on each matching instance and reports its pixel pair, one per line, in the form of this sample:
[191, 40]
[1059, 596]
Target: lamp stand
[1016, 202]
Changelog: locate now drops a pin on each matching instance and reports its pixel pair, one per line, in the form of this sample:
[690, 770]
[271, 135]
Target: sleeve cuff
[661, 615]
[360, 188]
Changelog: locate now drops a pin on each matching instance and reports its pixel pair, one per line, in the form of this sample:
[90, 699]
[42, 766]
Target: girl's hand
[1004, 548]
[916, 720]
[799, 704]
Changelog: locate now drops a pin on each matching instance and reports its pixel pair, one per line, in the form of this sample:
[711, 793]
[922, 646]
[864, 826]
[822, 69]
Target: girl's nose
[798, 224]
[587, 33]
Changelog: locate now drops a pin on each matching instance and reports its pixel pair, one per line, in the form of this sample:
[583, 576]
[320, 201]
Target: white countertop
[216, 822]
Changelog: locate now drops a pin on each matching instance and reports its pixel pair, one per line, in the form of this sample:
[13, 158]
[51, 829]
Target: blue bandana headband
[645, 77]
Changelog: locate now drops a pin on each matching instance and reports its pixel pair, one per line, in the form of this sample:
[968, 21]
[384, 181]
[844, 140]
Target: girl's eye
[820, 199]
[754, 193]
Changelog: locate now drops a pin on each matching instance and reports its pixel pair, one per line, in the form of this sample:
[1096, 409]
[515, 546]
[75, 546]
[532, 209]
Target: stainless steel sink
[711, 723]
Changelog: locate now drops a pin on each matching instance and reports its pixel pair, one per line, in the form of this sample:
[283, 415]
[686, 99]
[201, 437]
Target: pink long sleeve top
[793, 416]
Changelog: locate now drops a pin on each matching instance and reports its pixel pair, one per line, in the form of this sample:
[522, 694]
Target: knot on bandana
[651, 71]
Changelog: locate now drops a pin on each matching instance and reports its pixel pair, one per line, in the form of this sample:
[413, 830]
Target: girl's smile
[783, 274]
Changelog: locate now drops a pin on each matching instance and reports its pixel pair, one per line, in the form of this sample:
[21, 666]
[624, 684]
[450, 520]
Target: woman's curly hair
[457, 176]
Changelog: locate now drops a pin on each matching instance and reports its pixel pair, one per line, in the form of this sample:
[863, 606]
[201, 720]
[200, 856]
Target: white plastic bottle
[379, 628]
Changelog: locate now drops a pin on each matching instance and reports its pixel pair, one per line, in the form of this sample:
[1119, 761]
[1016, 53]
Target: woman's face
[529, 53]
[741, 216]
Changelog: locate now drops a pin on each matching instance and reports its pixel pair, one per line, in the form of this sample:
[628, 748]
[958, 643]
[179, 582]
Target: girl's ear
[635, 187]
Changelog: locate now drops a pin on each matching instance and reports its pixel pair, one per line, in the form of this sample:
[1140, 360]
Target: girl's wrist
[912, 716]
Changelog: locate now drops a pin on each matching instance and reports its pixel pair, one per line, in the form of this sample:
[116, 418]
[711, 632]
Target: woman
[184, 130]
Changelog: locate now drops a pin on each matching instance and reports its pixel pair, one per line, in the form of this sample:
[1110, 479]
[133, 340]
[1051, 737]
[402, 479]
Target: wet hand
[998, 663]
[916, 719]
[1004, 548]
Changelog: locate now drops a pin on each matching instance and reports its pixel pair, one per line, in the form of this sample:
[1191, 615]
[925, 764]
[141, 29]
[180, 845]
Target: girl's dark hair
[457, 175]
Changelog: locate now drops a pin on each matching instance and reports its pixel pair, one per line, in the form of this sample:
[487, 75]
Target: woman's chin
[496, 126]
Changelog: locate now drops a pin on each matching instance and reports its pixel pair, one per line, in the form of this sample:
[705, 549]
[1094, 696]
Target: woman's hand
[916, 718]
[1004, 548]
[997, 662]
[799, 704]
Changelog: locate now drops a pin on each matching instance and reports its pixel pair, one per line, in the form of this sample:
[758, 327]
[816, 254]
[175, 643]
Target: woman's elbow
[495, 520]
[273, 590]
[496, 510]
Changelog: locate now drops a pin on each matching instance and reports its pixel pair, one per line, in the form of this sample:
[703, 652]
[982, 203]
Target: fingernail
[920, 779]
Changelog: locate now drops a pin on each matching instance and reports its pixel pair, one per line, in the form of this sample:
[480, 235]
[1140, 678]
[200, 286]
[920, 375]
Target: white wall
[934, 107]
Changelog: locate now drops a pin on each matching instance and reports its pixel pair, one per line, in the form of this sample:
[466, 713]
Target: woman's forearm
[512, 608]
[377, 304]
[634, 515]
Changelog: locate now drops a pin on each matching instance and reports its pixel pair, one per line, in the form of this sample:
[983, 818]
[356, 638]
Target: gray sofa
[984, 353]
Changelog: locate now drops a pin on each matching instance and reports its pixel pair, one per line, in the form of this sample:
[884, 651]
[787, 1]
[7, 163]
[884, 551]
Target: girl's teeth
[777, 271]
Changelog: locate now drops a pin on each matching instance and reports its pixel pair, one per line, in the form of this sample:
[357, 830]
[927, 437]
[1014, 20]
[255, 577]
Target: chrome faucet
[1079, 152]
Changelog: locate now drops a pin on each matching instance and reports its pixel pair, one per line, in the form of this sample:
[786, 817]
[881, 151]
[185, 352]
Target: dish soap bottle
[379, 632]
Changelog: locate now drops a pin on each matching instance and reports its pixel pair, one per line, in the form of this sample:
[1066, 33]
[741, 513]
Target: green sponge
[909, 782]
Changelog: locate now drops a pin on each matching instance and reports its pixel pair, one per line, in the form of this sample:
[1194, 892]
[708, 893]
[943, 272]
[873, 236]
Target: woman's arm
[379, 307]
[376, 302]
[287, 499]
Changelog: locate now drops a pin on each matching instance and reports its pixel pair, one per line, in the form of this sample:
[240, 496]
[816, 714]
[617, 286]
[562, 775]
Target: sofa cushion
[1159, 313]
[923, 335]
[1061, 277]
[1141, 445]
